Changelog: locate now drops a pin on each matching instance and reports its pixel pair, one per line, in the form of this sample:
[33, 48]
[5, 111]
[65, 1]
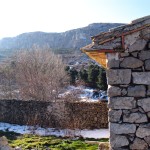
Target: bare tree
[40, 74]
[7, 81]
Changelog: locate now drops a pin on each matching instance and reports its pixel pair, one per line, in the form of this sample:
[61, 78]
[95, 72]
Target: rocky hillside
[72, 39]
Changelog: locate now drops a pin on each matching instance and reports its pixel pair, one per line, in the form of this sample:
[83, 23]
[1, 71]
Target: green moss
[52, 142]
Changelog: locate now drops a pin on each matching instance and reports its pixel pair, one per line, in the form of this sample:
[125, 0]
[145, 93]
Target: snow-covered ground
[85, 93]
[96, 133]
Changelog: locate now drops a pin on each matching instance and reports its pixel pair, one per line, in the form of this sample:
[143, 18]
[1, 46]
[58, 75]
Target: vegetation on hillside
[94, 76]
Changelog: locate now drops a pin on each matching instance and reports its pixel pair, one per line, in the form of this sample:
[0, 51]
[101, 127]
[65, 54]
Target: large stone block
[148, 91]
[143, 131]
[131, 62]
[114, 91]
[144, 55]
[131, 39]
[117, 141]
[116, 128]
[135, 118]
[113, 63]
[137, 91]
[139, 144]
[148, 114]
[145, 104]
[147, 139]
[115, 115]
[134, 54]
[146, 32]
[122, 103]
[4, 144]
[124, 54]
[103, 146]
[120, 76]
[3, 141]
[147, 64]
[138, 45]
[123, 92]
[141, 78]
[149, 45]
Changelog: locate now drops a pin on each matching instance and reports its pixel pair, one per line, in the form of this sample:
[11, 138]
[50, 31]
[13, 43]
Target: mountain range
[61, 42]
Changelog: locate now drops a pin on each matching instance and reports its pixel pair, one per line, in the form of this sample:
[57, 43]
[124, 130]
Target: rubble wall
[82, 115]
[128, 78]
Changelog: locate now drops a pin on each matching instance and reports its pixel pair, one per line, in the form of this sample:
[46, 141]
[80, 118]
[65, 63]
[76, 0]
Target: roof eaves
[141, 19]
[124, 28]
[99, 40]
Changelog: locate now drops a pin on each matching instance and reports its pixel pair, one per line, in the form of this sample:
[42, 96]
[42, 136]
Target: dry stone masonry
[129, 93]
[81, 115]
[127, 50]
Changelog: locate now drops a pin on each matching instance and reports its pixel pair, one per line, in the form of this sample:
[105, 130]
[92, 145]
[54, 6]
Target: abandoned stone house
[125, 53]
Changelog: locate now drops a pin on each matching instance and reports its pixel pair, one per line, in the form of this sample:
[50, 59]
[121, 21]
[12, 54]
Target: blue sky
[19, 16]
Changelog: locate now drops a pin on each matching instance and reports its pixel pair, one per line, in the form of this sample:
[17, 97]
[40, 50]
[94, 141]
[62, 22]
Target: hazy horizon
[21, 16]
[57, 32]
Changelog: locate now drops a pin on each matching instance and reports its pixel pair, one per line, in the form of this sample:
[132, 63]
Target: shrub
[38, 74]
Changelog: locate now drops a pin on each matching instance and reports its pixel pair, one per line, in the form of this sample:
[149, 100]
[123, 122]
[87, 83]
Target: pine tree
[102, 80]
[83, 75]
[73, 75]
[93, 72]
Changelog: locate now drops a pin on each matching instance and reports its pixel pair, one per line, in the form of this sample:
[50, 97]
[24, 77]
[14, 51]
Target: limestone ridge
[72, 39]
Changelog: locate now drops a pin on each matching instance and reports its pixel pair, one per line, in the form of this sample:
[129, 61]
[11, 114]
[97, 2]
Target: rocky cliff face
[72, 39]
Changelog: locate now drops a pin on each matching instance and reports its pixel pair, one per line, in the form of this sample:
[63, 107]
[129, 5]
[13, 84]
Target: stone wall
[56, 115]
[129, 94]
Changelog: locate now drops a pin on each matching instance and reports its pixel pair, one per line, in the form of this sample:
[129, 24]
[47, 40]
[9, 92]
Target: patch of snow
[85, 93]
[96, 133]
